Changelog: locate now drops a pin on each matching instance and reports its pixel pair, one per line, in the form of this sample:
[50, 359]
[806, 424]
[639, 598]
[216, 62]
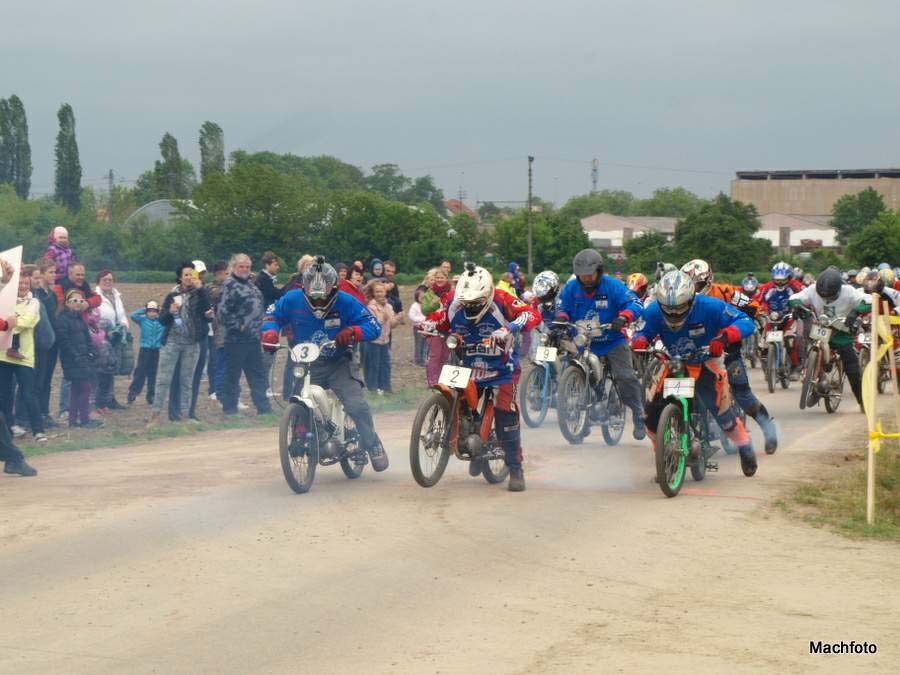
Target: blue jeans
[378, 367]
[244, 357]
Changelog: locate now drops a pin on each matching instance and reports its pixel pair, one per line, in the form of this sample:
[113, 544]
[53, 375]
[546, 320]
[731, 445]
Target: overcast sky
[465, 90]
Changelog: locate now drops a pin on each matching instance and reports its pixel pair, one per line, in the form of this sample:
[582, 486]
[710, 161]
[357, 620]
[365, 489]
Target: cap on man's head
[200, 266]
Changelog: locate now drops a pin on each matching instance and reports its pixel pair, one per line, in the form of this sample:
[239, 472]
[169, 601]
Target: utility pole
[530, 256]
[111, 178]
[595, 175]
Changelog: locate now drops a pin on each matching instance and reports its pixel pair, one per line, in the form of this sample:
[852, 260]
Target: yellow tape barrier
[884, 332]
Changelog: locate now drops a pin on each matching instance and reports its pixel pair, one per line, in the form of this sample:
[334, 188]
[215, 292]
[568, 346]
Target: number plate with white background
[775, 336]
[455, 376]
[679, 387]
[542, 354]
[820, 333]
[305, 352]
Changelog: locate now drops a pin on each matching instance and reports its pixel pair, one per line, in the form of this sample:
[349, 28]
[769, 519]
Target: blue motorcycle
[538, 392]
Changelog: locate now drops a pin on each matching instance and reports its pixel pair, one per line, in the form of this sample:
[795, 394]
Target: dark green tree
[489, 212]
[851, 213]
[511, 236]
[22, 161]
[68, 167]
[645, 251]
[668, 202]
[323, 172]
[387, 180]
[721, 232]
[212, 149]
[171, 178]
[879, 241]
[567, 237]
[7, 143]
[423, 189]
[617, 202]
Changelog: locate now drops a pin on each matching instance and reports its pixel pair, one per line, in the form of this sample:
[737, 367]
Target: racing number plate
[455, 376]
[775, 336]
[820, 333]
[548, 354]
[679, 387]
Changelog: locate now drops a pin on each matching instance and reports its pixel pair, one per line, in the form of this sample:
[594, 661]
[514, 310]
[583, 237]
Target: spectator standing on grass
[148, 357]
[42, 289]
[241, 311]
[447, 266]
[378, 354]
[206, 359]
[114, 321]
[220, 274]
[185, 315]
[342, 269]
[267, 283]
[353, 285]
[436, 298]
[78, 357]
[18, 367]
[13, 459]
[393, 290]
[60, 252]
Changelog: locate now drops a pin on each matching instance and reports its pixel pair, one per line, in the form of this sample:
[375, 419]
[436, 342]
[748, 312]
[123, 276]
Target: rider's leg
[851, 368]
[506, 424]
[653, 409]
[743, 394]
[627, 385]
[713, 390]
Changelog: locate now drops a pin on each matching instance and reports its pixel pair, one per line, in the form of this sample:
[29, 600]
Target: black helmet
[320, 286]
[588, 261]
[828, 284]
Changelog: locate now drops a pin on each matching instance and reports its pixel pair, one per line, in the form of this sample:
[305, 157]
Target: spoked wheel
[299, 451]
[771, 366]
[614, 423]
[428, 454]
[670, 458]
[533, 403]
[572, 413]
[835, 380]
[356, 460]
[884, 375]
[807, 390]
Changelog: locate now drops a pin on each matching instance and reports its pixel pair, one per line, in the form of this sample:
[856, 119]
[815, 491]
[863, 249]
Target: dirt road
[193, 556]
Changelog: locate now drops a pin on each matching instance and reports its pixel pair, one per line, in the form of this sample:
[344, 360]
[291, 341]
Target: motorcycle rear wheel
[428, 455]
[299, 467]
[670, 459]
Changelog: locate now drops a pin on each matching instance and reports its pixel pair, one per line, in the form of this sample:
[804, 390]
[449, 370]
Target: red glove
[270, 340]
[717, 346]
[348, 335]
[640, 342]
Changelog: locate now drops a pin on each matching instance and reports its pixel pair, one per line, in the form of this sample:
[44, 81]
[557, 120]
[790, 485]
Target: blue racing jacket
[293, 310]
[707, 318]
[610, 299]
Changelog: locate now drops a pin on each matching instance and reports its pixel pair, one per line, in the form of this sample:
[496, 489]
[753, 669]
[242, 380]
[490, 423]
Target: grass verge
[118, 434]
[839, 502]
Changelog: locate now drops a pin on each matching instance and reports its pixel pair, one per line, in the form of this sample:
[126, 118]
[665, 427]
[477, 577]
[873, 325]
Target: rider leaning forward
[486, 321]
[318, 312]
[686, 323]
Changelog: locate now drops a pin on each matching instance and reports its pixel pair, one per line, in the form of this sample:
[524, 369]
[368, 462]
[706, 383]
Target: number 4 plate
[679, 387]
[455, 376]
[545, 354]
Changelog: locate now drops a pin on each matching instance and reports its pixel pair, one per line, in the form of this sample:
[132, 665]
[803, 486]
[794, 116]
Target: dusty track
[194, 556]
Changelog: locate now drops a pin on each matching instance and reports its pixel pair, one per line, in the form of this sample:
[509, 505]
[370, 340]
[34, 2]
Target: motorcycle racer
[773, 296]
[686, 323]
[595, 296]
[701, 274]
[487, 319]
[318, 312]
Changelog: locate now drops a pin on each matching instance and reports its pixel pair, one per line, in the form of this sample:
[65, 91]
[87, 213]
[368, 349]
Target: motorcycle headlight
[299, 372]
[580, 340]
[774, 317]
[452, 341]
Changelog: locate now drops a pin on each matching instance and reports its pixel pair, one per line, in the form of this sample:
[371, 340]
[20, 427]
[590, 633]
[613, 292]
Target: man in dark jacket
[267, 278]
[393, 290]
[240, 314]
[185, 316]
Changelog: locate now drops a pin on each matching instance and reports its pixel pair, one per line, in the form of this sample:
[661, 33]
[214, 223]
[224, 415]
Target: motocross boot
[378, 456]
[516, 479]
[748, 460]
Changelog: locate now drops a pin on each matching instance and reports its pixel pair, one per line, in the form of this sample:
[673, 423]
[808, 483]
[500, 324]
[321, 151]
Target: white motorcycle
[315, 429]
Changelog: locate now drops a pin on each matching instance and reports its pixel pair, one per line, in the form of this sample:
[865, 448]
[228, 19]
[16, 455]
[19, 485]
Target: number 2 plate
[455, 376]
[820, 333]
[542, 354]
[679, 387]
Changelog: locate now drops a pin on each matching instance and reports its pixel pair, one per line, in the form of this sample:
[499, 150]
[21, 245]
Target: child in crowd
[78, 356]
[148, 358]
[378, 354]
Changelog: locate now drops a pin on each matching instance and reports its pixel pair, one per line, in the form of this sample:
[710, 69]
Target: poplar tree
[212, 149]
[68, 167]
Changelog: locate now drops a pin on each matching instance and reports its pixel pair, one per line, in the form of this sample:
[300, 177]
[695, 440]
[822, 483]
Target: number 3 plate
[679, 387]
[455, 376]
[542, 354]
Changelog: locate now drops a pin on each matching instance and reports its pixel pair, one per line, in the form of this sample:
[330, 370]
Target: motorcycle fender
[305, 400]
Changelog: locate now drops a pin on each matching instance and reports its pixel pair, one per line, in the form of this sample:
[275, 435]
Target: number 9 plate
[679, 387]
[455, 376]
[542, 354]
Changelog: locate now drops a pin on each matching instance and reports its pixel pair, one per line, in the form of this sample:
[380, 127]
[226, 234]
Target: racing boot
[748, 460]
[767, 424]
[516, 479]
[640, 429]
[378, 456]
[738, 435]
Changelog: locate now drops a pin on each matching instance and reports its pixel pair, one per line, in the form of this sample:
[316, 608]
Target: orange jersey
[734, 295]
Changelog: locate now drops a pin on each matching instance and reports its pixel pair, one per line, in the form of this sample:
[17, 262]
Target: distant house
[609, 232]
[456, 207]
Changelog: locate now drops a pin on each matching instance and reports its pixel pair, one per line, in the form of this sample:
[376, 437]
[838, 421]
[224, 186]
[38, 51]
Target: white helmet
[664, 268]
[700, 271]
[675, 295]
[546, 286]
[474, 291]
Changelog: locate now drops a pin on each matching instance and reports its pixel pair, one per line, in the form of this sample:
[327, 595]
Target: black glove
[618, 324]
[852, 321]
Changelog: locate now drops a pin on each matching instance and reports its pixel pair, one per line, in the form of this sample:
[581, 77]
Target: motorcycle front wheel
[670, 458]
[614, 423]
[428, 454]
[532, 401]
[835, 386]
[771, 367]
[349, 464]
[299, 453]
[572, 413]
